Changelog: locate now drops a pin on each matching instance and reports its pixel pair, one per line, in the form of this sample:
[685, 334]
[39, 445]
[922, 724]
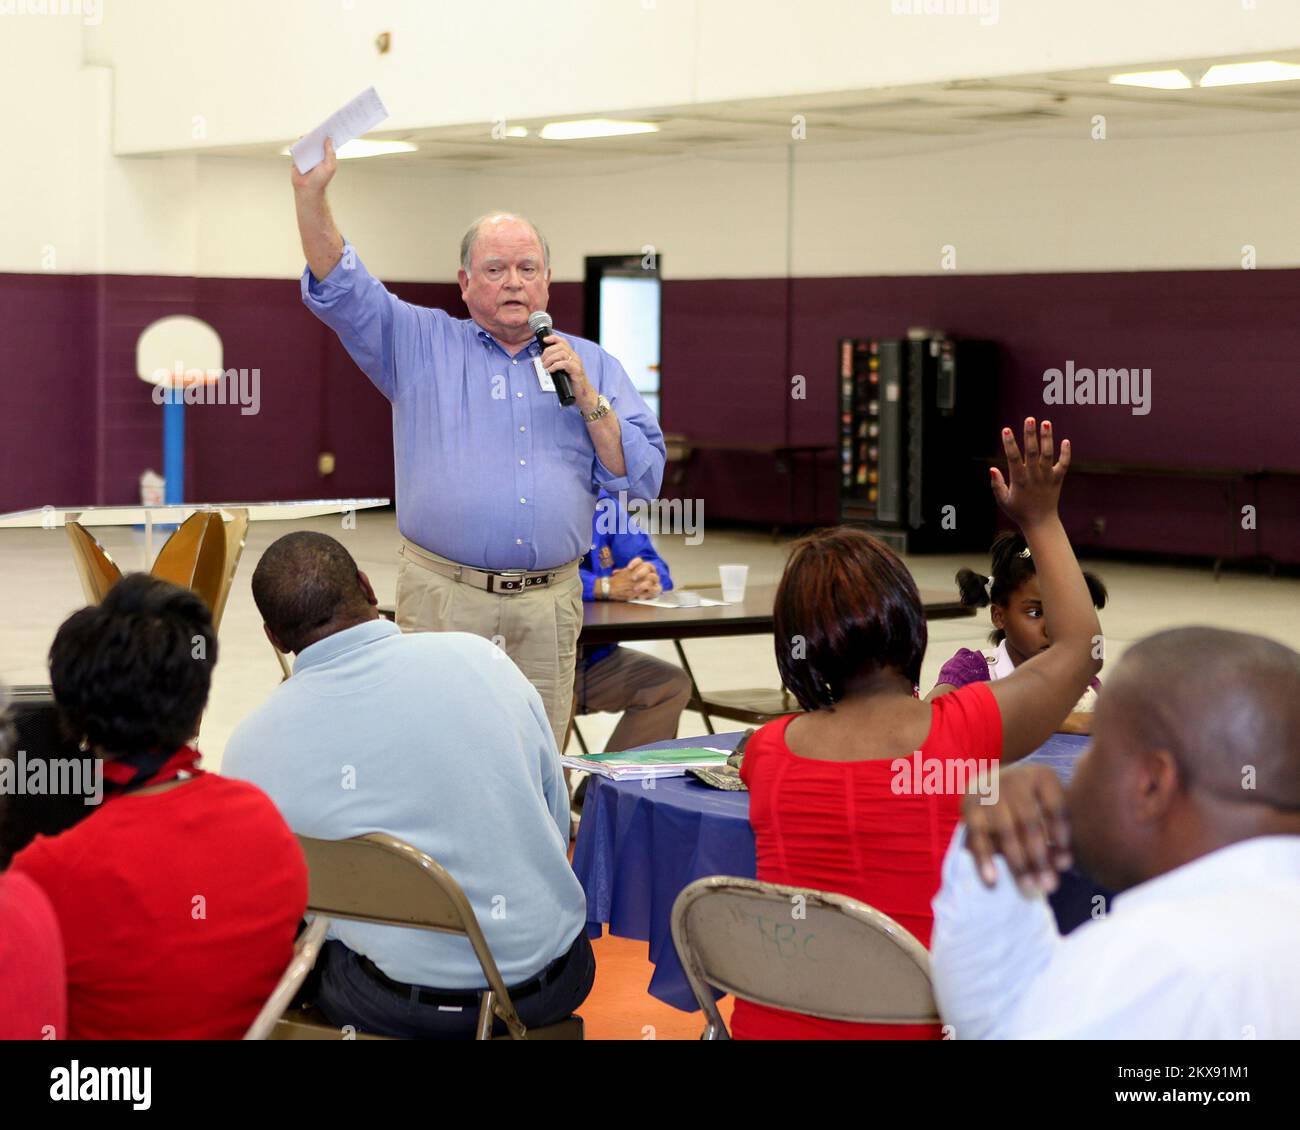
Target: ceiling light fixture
[594, 127]
[1242, 74]
[1153, 80]
[361, 147]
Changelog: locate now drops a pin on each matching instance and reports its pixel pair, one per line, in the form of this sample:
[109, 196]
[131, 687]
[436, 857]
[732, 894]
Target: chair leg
[577, 733]
[484, 1031]
[695, 690]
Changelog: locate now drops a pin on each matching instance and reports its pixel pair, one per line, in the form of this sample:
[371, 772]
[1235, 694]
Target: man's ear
[367, 588]
[463, 279]
[1158, 783]
[275, 643]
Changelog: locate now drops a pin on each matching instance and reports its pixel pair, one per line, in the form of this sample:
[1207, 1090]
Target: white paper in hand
[359, 116]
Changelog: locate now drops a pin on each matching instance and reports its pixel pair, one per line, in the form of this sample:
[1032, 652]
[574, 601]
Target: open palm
[1032, 488]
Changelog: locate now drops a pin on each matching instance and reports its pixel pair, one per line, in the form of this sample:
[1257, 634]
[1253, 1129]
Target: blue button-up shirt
[491, 471]
[611, 550]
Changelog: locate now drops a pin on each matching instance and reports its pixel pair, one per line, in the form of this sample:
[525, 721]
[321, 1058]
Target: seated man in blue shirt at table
[435, 738]
[622, 565]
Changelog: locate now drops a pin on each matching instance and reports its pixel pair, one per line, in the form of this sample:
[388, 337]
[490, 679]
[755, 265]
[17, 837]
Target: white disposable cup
[733, 582]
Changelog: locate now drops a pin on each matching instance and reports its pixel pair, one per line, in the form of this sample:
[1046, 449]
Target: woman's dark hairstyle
[1012, 567]
[846, 606]
[131, 674]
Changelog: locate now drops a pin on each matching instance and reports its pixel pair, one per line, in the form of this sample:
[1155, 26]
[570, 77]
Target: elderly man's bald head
[498, 220]
[1196, 745]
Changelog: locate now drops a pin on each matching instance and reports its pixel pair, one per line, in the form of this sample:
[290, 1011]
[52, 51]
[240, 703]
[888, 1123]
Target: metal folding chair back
[305, 952]
[380, 879]
[805, 951]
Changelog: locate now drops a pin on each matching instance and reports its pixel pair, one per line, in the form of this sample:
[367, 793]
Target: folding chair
[804, 951]
[305, 952]
[379, 879]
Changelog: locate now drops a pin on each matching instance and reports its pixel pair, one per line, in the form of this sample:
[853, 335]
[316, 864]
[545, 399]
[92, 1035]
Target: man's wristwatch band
[604, 588]
[603, 408]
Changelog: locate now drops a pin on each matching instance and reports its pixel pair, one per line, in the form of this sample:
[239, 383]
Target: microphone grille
[539, 320]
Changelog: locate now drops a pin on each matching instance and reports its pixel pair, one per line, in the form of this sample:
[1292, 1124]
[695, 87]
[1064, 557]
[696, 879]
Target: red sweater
[840, 826]
[178, 910]
[33, 1003]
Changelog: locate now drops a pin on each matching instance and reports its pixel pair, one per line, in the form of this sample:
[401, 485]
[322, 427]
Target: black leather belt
[450, 998]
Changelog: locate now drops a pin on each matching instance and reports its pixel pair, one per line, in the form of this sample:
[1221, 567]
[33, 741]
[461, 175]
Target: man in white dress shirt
[1188, 804]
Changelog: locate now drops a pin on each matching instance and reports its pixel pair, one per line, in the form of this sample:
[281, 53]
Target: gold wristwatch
[604, 588]
[602, 408]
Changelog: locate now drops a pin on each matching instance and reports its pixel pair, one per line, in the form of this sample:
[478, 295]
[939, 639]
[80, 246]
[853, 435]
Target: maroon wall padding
[48, 391]
[1223, 347]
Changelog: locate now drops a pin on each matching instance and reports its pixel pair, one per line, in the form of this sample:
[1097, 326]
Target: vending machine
[917, 425]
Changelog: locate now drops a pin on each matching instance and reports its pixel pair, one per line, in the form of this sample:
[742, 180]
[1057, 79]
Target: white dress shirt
[1206, 951]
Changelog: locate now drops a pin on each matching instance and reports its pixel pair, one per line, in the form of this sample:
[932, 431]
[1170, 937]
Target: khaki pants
[538, 628]
[651, 693]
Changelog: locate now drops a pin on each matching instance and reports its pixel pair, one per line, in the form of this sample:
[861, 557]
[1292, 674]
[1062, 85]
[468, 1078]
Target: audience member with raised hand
[1187, 803]
[179, 896]
[435, 738]
[833, 800]
[1021, 624]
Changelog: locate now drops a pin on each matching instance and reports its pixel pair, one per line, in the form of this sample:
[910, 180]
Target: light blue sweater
[438, 739]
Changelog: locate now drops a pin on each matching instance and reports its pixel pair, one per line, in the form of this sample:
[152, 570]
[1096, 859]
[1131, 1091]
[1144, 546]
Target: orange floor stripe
[619, 1008]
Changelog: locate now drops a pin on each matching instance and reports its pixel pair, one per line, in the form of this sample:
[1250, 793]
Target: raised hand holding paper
[359, 116]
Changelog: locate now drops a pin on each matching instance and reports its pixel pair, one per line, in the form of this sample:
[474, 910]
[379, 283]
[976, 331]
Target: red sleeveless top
[857, 828]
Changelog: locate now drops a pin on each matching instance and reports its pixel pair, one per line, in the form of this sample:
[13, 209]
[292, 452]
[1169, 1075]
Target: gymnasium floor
[39, 587]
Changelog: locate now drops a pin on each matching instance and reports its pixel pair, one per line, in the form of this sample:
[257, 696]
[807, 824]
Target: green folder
[650, 757]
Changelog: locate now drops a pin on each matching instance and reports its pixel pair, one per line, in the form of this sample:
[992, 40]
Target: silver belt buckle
[506, 582]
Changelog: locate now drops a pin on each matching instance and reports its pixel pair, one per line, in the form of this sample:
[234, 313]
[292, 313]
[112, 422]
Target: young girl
[1019, 622]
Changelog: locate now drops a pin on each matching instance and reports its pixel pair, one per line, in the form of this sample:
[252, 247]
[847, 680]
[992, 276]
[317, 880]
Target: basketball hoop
[181, 357]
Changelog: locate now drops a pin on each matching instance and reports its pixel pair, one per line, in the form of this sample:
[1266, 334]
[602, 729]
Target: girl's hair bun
[973, 588]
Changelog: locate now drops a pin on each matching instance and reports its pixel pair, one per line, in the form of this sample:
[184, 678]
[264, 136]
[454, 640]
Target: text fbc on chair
[805, 951]
[379, 879]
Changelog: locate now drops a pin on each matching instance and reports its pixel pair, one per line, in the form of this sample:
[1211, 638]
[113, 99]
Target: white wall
[1013, 206]
[1030, 204]
[48, 124]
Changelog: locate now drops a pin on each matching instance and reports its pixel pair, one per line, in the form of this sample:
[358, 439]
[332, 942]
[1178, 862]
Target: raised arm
[322, 245]
[1041, 691]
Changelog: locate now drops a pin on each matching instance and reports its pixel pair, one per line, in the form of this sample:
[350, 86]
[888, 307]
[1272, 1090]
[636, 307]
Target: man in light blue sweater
[435, 738]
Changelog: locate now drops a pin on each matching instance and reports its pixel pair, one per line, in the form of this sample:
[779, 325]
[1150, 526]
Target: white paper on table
[359, 116]
[668, 601]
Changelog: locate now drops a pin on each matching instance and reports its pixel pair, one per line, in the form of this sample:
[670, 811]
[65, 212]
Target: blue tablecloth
[641, 842]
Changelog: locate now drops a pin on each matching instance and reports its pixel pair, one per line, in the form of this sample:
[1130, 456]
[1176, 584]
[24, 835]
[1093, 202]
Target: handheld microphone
[542, 326]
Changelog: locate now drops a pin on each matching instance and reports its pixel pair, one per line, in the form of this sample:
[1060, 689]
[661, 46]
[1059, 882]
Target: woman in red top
[33, 1002]
[861, 794]
[178, 899]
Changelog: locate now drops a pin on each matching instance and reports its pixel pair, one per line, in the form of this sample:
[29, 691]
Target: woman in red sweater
[860, 795]
[178, 897]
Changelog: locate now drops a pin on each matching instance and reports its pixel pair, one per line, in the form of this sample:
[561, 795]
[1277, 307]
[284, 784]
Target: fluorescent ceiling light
[516, 131]
[360, 147]
[1155, 80]
[1239, 74]
[594, 127]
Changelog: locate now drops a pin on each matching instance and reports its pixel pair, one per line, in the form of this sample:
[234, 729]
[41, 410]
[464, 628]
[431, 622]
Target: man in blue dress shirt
[623, 564]
[496, 482]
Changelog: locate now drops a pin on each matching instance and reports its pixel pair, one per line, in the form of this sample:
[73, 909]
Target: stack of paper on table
[646, 763]
[669, 600]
